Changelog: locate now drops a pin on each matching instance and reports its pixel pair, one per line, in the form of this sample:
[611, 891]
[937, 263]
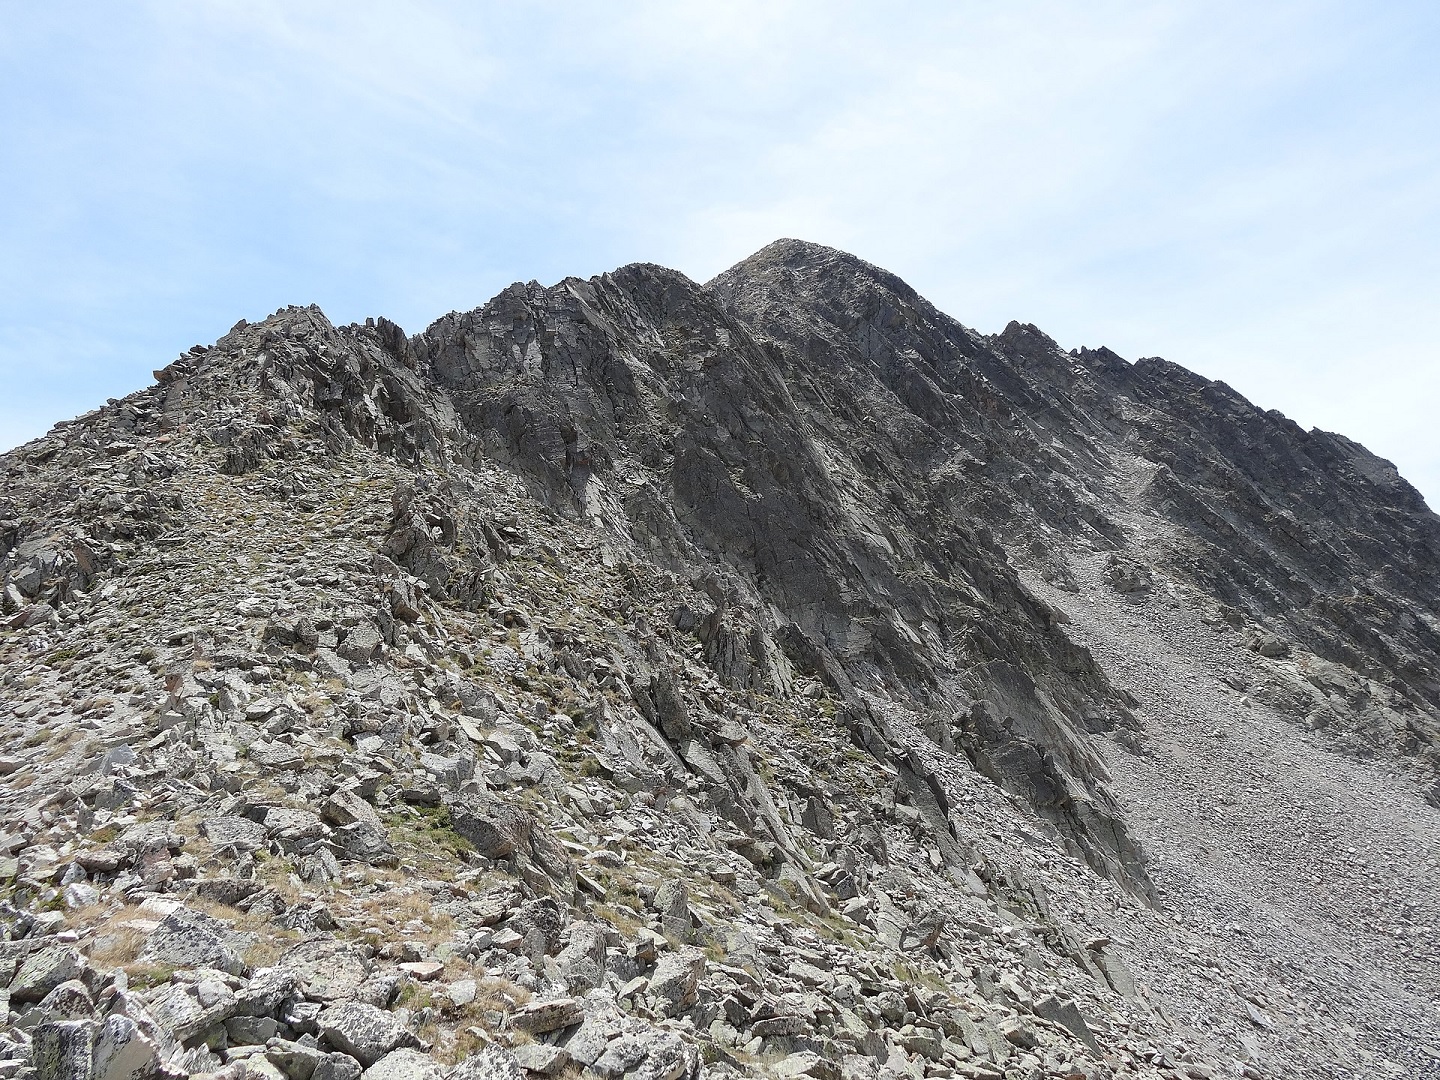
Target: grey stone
[346, 807]
[366, 842]
[495, 1062]
[1068, 1015]
[361, 644]
[809, 1064]
[364, 1032]
[337, 1066]
[296, 1060]
[274, 755]
[675, 983]
[251, 1030]
[63, 1049]
[267, 991]
[405, 1064]
[330, 970]
[673, 904]
[123, 1051]
[45, 970]
[70, 1000]
[602, 1023]
[192, 939]
[541, 1058]
[540, 1017]
[187, 1009]
[233, 831]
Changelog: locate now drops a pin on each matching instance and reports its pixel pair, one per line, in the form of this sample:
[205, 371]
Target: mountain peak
[766, 678]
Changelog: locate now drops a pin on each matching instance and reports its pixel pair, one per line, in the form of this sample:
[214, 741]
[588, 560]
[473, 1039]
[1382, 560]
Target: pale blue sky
[1252, 190]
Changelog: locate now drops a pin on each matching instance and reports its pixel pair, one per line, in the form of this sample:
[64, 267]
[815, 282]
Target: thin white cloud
[1245, 189]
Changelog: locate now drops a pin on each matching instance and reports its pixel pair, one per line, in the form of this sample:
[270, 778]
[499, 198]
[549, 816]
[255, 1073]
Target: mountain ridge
[858, 613]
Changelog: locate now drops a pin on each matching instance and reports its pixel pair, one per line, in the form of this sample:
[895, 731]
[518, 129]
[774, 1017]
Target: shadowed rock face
[737, 449]
[1304, 537]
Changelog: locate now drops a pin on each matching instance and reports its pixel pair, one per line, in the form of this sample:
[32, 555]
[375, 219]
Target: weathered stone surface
[337, 1066]
[496, 829]
[45, 970]
[296, 1060]
[233, 831]
[492, 1063]
[188, 1009]
[807, 1063]
[330, 970]
[676, 980]
[541, 1017]
[267, 990]
[193, 939]
[364, 1032]
[70, 1000]
[123, 1051]
[62, 1049]
[542, 1059]
[406, 1064]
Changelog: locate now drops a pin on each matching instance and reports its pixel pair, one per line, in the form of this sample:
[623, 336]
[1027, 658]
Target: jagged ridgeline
[672, 653]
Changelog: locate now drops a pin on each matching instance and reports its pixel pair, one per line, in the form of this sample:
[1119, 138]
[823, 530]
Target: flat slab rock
[542, 1017]
[542, 1058]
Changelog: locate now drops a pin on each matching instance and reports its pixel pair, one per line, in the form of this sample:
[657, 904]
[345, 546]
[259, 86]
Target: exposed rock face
[769, 677]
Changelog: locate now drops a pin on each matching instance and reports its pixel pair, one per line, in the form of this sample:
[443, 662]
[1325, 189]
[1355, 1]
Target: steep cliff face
[781, 617]
[1317, 550]
[637, 400]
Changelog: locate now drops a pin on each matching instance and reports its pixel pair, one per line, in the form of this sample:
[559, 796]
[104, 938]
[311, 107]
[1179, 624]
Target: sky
[1250, 190]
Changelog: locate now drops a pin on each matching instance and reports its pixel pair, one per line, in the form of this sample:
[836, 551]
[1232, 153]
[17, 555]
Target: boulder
[267, 992]
[542, 1059]
[234, 832]
[63, 1049]
[675, 984]
[45, 970]
[191, 939]
[296, 1060]
[330, 970]
[405, 1064]
[541, 1017]
[123, 1051]
[364, 1032]
[188, 1009]
[495, 1062]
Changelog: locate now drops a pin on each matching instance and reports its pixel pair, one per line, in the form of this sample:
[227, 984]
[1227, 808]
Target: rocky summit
[640, 679]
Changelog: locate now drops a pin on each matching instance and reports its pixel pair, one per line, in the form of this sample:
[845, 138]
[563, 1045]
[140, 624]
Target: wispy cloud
[1246, 189]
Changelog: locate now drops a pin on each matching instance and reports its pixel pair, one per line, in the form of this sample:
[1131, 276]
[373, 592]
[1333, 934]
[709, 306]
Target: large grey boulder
[233, 832]
[405, 1064]
[188, 1009]
[123, 1051]
[187, 938]
[63, 1049]
[297, 1061]
[45, 970]
[267, 991]
[71, 1000]
[364, 1032]
[675, 985]
[495, 1062]
[330, 970]
[542, 1017]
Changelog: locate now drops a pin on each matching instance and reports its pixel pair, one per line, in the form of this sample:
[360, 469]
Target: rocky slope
[773, 677]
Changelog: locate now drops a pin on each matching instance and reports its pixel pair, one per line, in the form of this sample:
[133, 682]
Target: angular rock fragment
[364, 1032]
